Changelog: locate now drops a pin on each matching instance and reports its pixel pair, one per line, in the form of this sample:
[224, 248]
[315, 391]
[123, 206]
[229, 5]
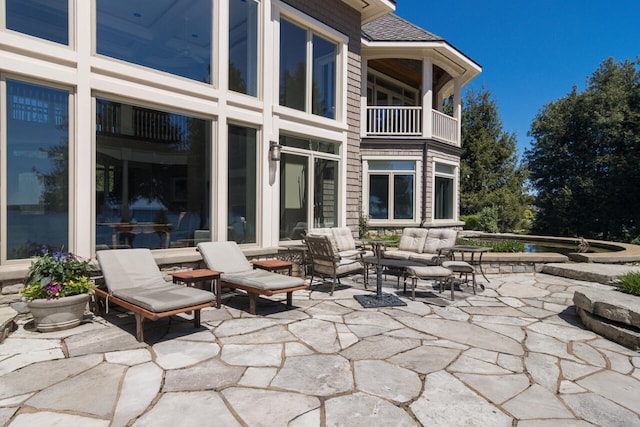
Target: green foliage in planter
[505, 245]
[630, 283]
[57, 275]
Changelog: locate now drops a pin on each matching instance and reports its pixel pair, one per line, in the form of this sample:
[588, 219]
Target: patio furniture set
[134, 281]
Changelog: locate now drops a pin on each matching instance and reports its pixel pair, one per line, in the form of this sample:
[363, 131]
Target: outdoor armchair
[236, 272]
[134, 281]
[327, 262]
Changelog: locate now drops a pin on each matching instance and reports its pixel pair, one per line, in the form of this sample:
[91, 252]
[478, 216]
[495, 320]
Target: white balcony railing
[396, 121]
[445, 127]
[407, 121]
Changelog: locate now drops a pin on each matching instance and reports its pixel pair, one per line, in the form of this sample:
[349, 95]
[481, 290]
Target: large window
[241, 185]
[36, 179]
[170, 36]
[391, 190]
[444, 191]
[48, 20]
[152, 177]
[308, 186]
[315, 93]
[243, 46]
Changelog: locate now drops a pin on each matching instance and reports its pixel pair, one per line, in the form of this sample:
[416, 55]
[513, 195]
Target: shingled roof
[392, 28]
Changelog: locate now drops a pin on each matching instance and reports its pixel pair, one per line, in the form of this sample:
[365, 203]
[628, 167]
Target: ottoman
[440, 274]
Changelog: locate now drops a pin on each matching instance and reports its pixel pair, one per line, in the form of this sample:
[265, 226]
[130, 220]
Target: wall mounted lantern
[275, 150]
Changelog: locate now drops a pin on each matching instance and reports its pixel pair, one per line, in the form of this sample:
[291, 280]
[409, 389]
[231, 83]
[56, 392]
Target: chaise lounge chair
[134, 281]
[236, 272]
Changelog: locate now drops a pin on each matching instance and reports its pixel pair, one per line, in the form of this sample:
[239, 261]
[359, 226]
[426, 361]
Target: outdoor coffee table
[202, 275]
[395, 267]
[274, 265]
[463, 249]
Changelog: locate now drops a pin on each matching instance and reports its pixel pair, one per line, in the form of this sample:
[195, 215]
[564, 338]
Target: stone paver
[515, 354]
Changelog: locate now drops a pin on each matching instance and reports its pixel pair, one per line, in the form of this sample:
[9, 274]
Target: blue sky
[531, 52]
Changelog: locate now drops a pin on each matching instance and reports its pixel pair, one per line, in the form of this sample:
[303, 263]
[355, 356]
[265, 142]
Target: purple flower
[58, 256]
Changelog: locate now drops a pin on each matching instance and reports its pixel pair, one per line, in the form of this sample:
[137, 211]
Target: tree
[490, 174]
[584, 160]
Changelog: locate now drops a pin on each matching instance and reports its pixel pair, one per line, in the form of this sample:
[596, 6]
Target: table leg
[481, 270]
[379, 280]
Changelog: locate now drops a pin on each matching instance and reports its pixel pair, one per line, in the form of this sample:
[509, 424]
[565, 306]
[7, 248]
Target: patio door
[308, 193]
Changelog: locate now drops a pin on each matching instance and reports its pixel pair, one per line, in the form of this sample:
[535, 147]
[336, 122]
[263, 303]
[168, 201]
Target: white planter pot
[58, 314]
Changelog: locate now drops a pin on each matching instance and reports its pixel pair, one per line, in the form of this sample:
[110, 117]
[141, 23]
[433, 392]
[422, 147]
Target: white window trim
[417, 183]
[456, 180]
[282, 10]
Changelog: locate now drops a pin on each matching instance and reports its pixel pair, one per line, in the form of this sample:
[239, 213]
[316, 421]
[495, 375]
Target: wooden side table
[274, 265]
[191, 277]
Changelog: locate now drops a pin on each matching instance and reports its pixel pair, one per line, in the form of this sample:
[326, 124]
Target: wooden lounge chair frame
[134, 281]
[141, 313]
[253, 293]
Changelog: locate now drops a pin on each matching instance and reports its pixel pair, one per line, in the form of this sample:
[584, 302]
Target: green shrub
[630, 283]
[471, 222]
[502, 246]
[488, 220]
[363, 226]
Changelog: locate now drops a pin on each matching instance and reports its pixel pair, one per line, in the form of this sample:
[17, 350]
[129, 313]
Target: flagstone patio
[515, 354]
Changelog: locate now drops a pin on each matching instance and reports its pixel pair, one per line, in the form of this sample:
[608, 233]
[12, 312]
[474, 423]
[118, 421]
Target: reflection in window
[48, 20]
[36, 180]
[293, 62]
[444, 191]
[378, 196]
[241, 185]
[243, 46]
[391, 189]
[325, 192]
[174, 37]
[152, 177]
[324, 77]
[294, 69]
[294, 196]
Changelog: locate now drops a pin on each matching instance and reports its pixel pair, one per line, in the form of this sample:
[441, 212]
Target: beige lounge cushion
[129, 268]
[438, 238]
[164, 297]
[262, 279]
[224, 257]
[134, 276]
[413, 239]
[229, 260]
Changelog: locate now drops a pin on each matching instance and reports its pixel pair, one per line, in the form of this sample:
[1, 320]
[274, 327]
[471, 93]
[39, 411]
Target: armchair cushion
[343, 238]
[413, 239]
[325, 232]
[438, 238]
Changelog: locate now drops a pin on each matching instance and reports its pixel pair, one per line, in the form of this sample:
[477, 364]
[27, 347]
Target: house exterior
[161, 124]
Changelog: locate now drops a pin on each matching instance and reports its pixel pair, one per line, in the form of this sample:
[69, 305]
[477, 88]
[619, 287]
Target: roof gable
[392, 28]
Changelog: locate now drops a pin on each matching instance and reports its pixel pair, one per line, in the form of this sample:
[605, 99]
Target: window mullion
[309, 77]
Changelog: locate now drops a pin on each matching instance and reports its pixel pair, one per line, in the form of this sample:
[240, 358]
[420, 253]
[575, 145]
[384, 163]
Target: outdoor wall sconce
[275, 150]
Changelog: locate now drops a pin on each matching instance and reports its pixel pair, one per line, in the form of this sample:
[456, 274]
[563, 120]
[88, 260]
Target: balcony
[390, 121]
